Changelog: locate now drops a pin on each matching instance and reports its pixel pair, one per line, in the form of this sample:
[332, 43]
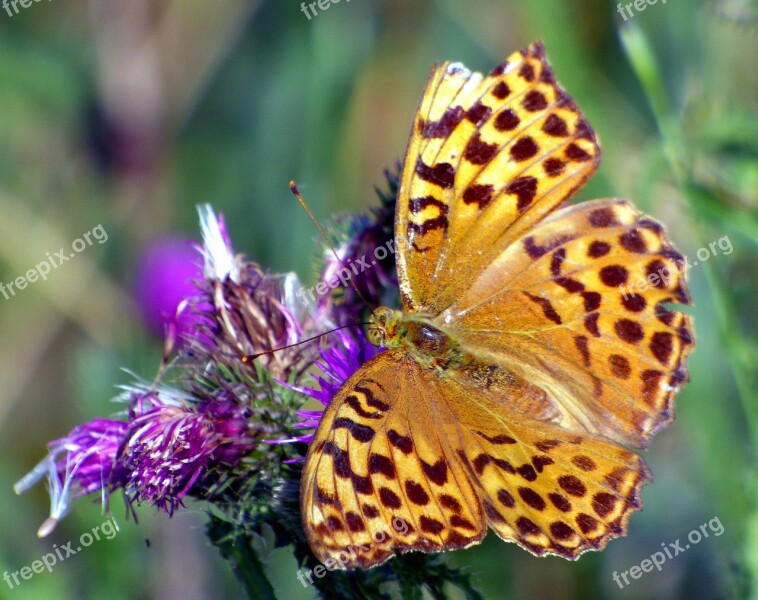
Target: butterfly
[536, 344]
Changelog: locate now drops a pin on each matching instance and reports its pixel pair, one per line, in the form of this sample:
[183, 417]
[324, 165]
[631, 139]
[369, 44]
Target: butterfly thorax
[417, 335]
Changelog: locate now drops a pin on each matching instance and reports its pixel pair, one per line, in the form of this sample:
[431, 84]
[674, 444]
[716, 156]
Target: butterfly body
[424, 340]
[417, 335]
[520, 368]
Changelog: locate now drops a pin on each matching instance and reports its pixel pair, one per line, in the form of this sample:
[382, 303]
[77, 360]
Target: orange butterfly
[519, 367]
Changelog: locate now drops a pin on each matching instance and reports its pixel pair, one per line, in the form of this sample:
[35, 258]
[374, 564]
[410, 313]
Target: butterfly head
[383, 326]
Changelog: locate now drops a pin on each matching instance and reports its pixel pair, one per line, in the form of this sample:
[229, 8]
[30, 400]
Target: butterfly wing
[377, 480]
[487, 158]
[579, 307]
[547, 489]
[406, 459]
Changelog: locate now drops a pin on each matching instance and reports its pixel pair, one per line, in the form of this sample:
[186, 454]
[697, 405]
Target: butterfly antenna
[302, 202]
[248, 358]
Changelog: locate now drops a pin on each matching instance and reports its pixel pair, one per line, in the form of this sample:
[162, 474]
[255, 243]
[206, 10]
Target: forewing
[487, 158]
[580, 307]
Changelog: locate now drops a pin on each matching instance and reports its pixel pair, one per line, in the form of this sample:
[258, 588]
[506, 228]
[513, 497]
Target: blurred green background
[128, 114]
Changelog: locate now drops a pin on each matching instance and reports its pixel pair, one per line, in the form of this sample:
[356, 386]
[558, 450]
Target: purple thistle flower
[366, 261]
[193, 440]
[167, 271]
[167, 450]
[244, 310]
[338, 361]
[174, 440]
[81, 463]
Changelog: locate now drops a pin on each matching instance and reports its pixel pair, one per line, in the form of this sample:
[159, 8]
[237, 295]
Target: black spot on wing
[441, 174]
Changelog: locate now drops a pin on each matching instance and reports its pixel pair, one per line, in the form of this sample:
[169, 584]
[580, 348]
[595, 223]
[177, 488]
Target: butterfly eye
[375, 336]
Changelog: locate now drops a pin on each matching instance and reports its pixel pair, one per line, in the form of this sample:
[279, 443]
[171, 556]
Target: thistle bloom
[165, 279]
[81, 463]
[184, 440]
[347, 351]
[168, 449]
[174, 440]
[244, 310]
[364, 265]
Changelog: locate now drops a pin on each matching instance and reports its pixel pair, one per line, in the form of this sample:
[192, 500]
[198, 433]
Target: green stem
[242, 558]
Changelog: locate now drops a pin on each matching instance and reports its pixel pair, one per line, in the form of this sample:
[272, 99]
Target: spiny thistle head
[363, 275]
[244, 310]
[173, 440]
